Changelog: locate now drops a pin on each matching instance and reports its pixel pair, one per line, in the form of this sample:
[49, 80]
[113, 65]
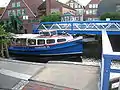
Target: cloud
[4, 3]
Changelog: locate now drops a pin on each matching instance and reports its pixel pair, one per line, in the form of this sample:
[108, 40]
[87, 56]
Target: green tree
[111, 15]
[53, 17]
[4, 40]
[13, 25]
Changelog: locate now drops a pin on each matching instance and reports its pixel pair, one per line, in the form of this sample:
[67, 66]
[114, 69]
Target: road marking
[15, 74]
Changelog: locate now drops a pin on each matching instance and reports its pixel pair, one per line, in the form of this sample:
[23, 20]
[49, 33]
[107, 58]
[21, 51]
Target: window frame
[9, 13]
[61, 39]
[19, 12]
[23, 12]
[29, 43]
[13, 5]
[18, 4]
[49, 42]
[13, 12]
[42, 43]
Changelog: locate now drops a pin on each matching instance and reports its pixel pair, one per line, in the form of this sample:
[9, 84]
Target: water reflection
[45, 59]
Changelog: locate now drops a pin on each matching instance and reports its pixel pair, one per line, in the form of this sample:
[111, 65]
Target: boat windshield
[48, 33]
[21, 41]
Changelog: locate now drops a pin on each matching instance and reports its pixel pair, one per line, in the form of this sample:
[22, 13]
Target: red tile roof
[43, 5]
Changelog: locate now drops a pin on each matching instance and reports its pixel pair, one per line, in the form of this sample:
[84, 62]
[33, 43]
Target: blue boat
[46, 43]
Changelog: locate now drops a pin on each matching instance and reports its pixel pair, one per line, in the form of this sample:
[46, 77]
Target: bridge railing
[82, 26]
[114, 83]
[108, 55]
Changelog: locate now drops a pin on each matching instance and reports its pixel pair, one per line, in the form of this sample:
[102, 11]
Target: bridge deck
[19, 74]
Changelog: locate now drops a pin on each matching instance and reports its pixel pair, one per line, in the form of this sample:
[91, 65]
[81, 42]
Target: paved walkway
[32, 76]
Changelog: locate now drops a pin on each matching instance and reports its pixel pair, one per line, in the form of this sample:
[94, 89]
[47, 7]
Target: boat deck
[20, 75]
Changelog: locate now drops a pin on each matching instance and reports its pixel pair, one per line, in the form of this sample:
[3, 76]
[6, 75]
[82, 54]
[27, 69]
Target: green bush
[4, 35]
[111, 15]
[53, 17]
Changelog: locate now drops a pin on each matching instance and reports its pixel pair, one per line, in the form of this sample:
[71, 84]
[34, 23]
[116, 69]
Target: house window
[71, 5]
[87, 11]
[13, 5]
[14, 12]
[25, 17]
[76, 5]
[9, 13]
[18, 4]
[94, 11]
[18, 12]
[23, 12]
[90, 6]
[90, 12]
[95, 19]
[95, 6]
[118, 7]
[90, 19]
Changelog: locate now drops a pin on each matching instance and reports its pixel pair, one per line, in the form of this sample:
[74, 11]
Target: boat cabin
[43, 38]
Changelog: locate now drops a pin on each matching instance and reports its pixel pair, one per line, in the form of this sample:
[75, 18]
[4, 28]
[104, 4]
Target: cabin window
[50, 41]
[61, 40]
[23, 41]
[31, 42]
[45, 33]
[12, 40]
[18, 41]
[42, 41]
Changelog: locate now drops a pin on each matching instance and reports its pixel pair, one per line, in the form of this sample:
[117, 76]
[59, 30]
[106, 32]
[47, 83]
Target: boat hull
[73, 47]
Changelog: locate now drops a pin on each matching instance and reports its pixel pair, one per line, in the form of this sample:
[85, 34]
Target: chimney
[49, 6]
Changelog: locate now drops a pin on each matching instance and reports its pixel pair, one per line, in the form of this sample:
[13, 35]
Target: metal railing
[82, 26]
[114, 84]
[108, 55]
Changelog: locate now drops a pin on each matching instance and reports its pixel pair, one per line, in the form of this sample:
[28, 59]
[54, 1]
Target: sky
[4, 3]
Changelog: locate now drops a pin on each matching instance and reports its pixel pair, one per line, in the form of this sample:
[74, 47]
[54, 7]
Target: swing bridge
[103, 28]
[84, 27]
